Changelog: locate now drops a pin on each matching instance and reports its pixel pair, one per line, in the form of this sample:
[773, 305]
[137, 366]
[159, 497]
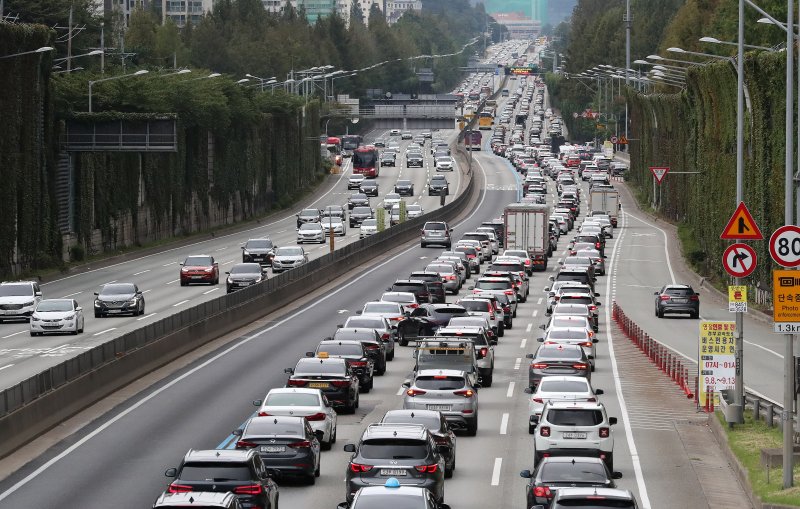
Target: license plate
[197, 277]
[318, 385]
[441, 408]
[572, 434]
[393, 471]
[273, 448]
[679, 301]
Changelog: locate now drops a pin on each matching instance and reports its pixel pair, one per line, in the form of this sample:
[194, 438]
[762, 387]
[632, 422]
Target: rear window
[379, 307]
[578, 471]
[394, 448]
[439, 383]
[344, 349]
[493, 285]
[593, 503]
[556, 353]
[575, 417]
[567, 334]
[366, 323]
[275, 426]
[475, 306]
[431, 422]
[434, 226]
[292, 399]
[219, 472]
[680, 291]
[507, 267]
[408, 287]
[447, 269]
[449, 311]
[313, 366]
[576, 299]
[562, 386]
[393, 500]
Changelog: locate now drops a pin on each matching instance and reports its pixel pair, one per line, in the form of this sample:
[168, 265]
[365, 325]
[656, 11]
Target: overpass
[402, 111]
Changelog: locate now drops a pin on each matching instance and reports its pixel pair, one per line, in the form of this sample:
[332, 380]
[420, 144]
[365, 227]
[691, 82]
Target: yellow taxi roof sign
[322, 355]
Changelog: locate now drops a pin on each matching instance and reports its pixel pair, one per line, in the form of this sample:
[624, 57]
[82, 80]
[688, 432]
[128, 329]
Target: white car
[392, 311]
[288, 257]
[577, 335]
[310, 232]
[559, 388]
[390, 200]
[444, 163]
[18, 299]
[394, 132]
[522, 255]
[354, 181]
[301, 402]
[336, 223]
[493, 241]
[57, 315]
[574, 429]
[406, 299]
[413, 211]
[368, 227]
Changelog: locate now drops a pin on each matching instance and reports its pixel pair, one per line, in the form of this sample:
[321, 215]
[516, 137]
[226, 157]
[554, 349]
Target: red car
[199, 269]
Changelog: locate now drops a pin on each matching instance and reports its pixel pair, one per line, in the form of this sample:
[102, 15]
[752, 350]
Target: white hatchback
[301, 402]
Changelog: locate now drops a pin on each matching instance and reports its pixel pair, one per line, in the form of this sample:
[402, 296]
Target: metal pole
[90, 95]
[788, 358]
[627, 44]
[102, 48]
[739, 353]
[69, 41]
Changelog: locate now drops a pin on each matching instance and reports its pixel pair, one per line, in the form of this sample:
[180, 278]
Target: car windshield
[574, 417]
[577, 260]
[568, 321]
[469, 321]
[369, 182]
[215, 472]
[403, 183]
[258, 244]
[246, 268]
[398, 297]
[16, 290]
[370, 222]
[310, 213]
[118, 289]
[292, 399]
[289, 251]
[563, 386]
[355, 335]
[439, 382]
[518, 254]
[381, 307]
[341, 349]
[493, 285]
[203, 261]
[309, 227]
[576, 299]
[365, 322]
[55, 305]
[394, 448]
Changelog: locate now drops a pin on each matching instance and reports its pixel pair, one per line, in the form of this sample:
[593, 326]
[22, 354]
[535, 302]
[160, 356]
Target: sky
[553, 11]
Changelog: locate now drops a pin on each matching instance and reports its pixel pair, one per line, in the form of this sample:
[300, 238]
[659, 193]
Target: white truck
[526, 227]
[605, 199]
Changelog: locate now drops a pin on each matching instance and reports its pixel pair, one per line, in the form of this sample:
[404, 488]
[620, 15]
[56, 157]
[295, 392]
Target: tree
[169, 48]
[141, 34]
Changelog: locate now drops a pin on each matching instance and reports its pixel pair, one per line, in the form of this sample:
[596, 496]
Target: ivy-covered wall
[695, 131]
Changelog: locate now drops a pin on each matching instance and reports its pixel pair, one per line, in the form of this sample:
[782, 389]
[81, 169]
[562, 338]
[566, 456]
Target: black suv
[333, 377]
[355, 353]
[677, 299]
[223, 471]
[418, 288]
[357, 200]
[359, 214]
[414, 159]
[388, 159]
[377, 349]
[259, 251]
[406, 452]
[435, 284]
[437, 425]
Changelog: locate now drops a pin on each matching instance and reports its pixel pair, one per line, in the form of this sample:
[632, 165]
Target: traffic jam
[445, 321]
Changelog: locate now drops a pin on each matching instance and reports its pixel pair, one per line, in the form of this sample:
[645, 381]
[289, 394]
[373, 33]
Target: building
[124, 6]
[315, 9]
[519, 26]
[345, 7]
[396, 8]
[183, 11]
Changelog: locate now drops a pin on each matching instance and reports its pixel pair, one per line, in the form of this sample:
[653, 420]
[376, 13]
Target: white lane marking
[539, 301]
[529, 327]
[517, 362]
[106, 283]
[510, 391]
[173, 281]
[6, 366]
[626, 420]
[141, 272]
[104, 331]
[522, 343]
[59, 347]
[179, 303]
[666, 244]
[223, 248]
[168, 264]
[400, 390]
[145, 291]
[535, 312]
[71, 295]
[52, 461]
[15, 334]
[504, 424]
[209, 291]
[145, 317]
[498, 462]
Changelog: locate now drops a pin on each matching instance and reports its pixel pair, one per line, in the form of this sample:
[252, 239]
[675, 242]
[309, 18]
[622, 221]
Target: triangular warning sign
[659, 172]
[623, 140]
[741, 226]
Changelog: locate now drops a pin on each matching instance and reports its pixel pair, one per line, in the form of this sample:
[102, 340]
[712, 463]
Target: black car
[557, 472]
[426, 320]
[377, 348]
[333, 211]
[118, 298]
[355, 353]
[357, 200]
[286, 444]
[415, 159]
[259, 251]
[417, 287]
[557, 360]
[359, 214]
[332, 376]
[224, 471]
[677, 299]
[369, 187]
[437, 426]
[308, 216]
[434, 282]
[499, 230]
[404, 187]
[388, 159]
[438, 185]
[243, 275]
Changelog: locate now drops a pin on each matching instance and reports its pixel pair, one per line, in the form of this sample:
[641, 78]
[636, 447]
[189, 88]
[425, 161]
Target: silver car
[368, 227]
[335, 222]
[447, 391]
[390, 200]
[392, 311]
[310, 232]
[288, 257]
[302, 402]
[444, 163]
[413, 211]
[450, 277]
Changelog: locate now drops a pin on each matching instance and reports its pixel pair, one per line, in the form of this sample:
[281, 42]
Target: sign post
[716, 360]
[659, 172]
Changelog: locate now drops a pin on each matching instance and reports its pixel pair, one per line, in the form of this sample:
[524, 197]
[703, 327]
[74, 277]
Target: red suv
[199, 269]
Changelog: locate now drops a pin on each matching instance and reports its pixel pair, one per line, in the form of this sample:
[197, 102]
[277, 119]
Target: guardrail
[40, 402]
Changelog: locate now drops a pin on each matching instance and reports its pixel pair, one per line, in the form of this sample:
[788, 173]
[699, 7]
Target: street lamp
[659, 58]
[242, 81]
[43, 49]
[714, 40]
[68, 70]
[91, 53]
[91, 83]
[696, 53]
[212, 75]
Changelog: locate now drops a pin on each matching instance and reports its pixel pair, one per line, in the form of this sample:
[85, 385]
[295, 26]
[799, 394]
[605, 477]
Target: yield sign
[659, 172]
[739, 260]
[741, 226]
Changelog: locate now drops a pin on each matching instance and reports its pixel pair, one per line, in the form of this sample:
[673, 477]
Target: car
[677, 299]
[308, 216]
[404, 187]
[557, 472]
[444, 163]
[394, 132]
[438, 185]
[241, 472]
[310, 232]
[557, 360]
[333, 376]
[393, 494]
[359, 214]
[448, 273]
[335, 223]
[357, 200]
[368, 227]
[333, 211]
[426, 135]
[388, 159]
[578, 262]
[392, 311]
[448, 391]
[243, 275]
[380, 142]
[200, 499]
[406, 299]
[473, 256]
[302, 402]
[498, 285]
[591, 498]
[258, 251]
[437, 426]
[484, 346]
[56, 315]
[378, 349]
[406, 452]
[118, 298]
[581, 276]
[485, 242]
[199, 269]
[288, 257]
[383, 326]
[287, 445]
[406, 135]
[484, 307]
[555, 388]
[436, 232]
[433, 282]
[355, 353]
[391, 200]
[18, 299]
[523, 256]
[369, 187]
[354, 181]
[414, 210]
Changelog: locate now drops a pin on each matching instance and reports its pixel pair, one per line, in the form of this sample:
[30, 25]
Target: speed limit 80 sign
[784, 246]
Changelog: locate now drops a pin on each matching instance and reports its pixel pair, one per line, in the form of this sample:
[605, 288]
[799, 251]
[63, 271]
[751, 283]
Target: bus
[350, 142]
[486, 119]
[365, 161]
[472, 140]
[469, 111]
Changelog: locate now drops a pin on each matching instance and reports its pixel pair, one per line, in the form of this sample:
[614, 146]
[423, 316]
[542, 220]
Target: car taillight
[244, 444]
[556, 297]
[597, 245]
[358, 468]
[591, 400]
[340, 383]
[492, 315]
[544, 431]
[592, 307]
[694, 297]
[527, 262]
[484, 352]
[413, 306]
[539, 365]
[303, 444]
[440, 440]
[428, 469]
[604, 432]
[449, 277]
[542, 491]
[179, 488]
[470, 256]
[319, 416]
[579, 365]
[373, 346]
[467, 393]
[664, 297]
[358, 364]
[386, 336]
[415, 392]
[250, 489]
[587, 343]
[538, 400]
[295, 383]
[508, 292]
[397, 318]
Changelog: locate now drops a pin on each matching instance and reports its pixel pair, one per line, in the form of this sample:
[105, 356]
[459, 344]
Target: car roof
[293, 390]
[219, 455]
[393, 430]
[195, 498]
[339, 342]
[466, 329]
[319, 360]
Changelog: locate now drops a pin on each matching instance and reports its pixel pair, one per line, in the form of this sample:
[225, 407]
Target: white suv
[18, 299]
[574, 428]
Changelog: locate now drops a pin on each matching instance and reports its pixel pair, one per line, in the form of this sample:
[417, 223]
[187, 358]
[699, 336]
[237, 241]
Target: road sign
[741, 226]
[739, 260]
[659, 172]
[786, 301]
[614, 139]
[716, 359]
[784, 246]
[623, 140]
[737, 299]
[584, 115]
[575, 115]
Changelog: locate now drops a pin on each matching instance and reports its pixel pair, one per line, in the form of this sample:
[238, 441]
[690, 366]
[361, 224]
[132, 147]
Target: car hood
[197, 267]
[16, 299]
[259, 250]
[54, 315]
[288, 257]
[241, 277]
[115, 297]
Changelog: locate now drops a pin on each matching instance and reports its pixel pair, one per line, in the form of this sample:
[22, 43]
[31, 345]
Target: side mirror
[551, 278]
[171, 472]
[289, 371]
[526, 474]
[406, 384]
[96, 293]
[597, 304]
[243, 247]
[540, 340]
[79, 308]
[358, 312]
[309, 354]
[228, 273]
[343, 505]
[256, 402]
[528, 390]
[612, 421]
[529, 356]
[181, 264]
[237, 432]
[597, 294]
[493, 341]
[598, 392]
[655, 293]
[616, 475]
[543, 327]
[349, 448]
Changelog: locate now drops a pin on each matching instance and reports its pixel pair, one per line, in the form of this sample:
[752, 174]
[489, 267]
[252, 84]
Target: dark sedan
[553, 473]
[355, 353]
[332, 376]
[118, 298]
[359, 214]
[243, 275]
[369, 187]
[258, 251]
[557, 360]
[388, 159]
[357, 200]
[404, 188]
[434, 282]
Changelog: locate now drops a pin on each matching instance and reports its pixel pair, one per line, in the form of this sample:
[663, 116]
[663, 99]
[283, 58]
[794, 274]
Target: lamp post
[92, 83]
[43, 49]
[91, 53]
[242, 81]
[714, 40]
[659, 58]
[212, 75]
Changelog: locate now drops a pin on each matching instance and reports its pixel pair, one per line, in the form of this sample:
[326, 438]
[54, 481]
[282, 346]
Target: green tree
[141, 34]
[169, 48]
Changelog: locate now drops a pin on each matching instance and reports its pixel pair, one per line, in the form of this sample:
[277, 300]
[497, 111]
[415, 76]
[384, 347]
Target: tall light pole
[43, 49]
[92, 83]
[628, 21]
[738, 387]
[714, 40]
[788, 356]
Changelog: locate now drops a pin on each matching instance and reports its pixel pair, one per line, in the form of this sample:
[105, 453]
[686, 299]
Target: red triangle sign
[741, 226]
[659, 172]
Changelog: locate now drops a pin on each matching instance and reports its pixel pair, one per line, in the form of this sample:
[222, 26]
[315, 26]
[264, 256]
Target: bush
[77, 253]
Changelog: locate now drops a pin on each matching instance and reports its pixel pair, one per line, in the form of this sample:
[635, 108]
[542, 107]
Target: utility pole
[69, 41]
[628, 22]
[738, 397]
[788, 356]
[102, 47]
